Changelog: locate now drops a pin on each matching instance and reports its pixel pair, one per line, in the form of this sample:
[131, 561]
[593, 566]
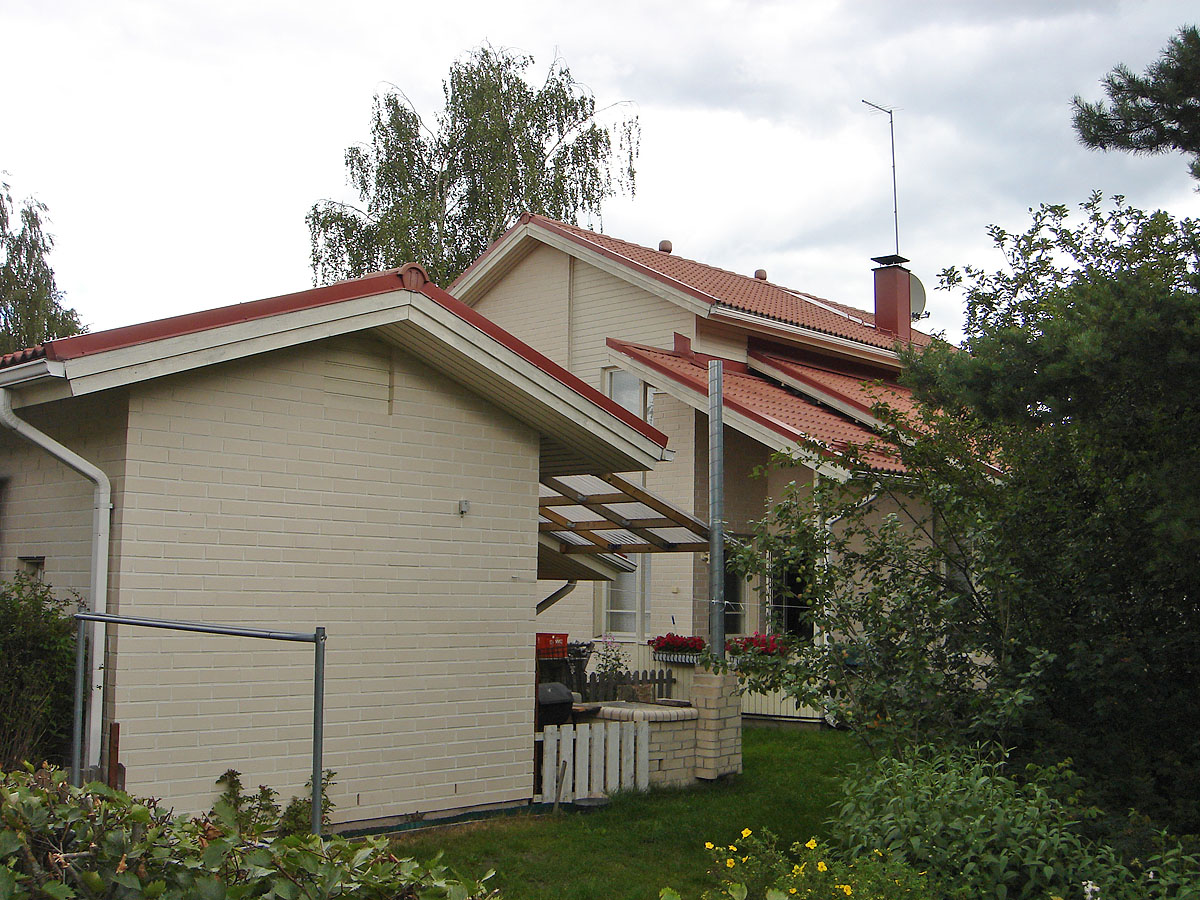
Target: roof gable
[693, 283]
[582, 429]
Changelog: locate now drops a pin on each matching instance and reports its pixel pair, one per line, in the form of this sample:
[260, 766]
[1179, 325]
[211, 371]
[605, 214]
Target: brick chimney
[893, 297]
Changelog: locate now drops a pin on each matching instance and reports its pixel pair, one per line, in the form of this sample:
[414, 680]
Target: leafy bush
[754, 868]
[62, 842]
[37, 665]
[982, 834]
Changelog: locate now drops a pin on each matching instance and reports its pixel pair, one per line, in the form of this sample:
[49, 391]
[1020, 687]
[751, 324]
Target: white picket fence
[600, 758]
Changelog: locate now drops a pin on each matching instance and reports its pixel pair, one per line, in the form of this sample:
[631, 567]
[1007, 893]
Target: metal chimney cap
[664, 247]
[894, 259]
[760, 274]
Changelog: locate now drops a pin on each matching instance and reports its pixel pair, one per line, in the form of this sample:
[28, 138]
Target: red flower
[763, 644]
[676, 643]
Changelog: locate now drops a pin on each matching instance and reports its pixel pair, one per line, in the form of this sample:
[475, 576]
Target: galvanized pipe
[318, 727]
[716, 508]
[317, 637]
[77, 715]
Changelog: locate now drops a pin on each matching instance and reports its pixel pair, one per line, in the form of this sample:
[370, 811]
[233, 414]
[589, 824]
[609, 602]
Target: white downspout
[98, 582]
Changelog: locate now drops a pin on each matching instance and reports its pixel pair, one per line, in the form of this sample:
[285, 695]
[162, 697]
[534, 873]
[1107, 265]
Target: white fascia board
[475, 283]
[167, 356]
[831, 400]
[564, 401]
[749, 427]
[30, 373]
[811, 337]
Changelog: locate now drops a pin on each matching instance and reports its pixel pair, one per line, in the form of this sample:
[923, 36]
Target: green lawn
[642, 842]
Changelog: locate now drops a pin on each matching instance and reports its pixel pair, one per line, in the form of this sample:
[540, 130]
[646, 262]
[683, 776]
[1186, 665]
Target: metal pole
[77, 715]
[895, 195]
[716, 508]
[318, 727]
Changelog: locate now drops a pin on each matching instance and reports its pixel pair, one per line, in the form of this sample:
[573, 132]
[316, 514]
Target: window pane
[621, 611]
[626, 390]
[733, 602]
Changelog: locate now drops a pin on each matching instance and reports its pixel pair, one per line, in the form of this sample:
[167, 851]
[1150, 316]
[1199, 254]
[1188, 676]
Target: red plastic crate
[551, 646]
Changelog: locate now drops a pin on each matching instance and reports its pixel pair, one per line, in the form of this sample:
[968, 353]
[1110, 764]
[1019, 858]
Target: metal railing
[317, 638]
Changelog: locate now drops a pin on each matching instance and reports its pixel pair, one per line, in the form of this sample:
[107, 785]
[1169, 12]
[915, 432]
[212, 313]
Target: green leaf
[208, 887]
[58, 890]
[8, 883]
[737, 891]
[9, 842]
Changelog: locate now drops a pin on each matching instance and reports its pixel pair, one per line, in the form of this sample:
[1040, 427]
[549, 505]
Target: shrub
[754, 868]
[37, 665]
[62, 842]
[982, 834]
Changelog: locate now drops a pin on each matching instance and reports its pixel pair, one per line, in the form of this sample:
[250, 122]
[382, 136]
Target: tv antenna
[895, 202]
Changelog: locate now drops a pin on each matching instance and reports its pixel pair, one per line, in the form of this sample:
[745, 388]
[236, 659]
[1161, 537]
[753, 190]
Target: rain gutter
[98, 579]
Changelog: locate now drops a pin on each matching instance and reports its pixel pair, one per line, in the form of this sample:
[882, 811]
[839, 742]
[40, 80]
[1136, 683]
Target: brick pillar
[719, 728]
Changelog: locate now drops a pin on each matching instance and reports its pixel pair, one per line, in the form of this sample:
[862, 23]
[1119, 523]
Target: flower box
[684, 657]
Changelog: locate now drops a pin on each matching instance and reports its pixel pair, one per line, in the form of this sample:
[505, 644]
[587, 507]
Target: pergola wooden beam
[594, 498]
[606, 525]
[678, 516]
[600, 509]
[696, 547]
[564, 524]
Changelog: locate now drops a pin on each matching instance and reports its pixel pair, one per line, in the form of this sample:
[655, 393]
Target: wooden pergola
[608, 514]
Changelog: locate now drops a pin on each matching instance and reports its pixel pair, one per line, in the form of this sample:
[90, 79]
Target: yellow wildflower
[799, 870]
[878, 852]
[746, 832]
[812, 844]
[708, 845]
[729, 863]
[732, 849]
[821, 867]
[846, 888]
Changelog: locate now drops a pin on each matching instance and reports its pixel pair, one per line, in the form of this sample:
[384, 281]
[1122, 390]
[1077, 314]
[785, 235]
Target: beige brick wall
[45, 507]
[604, 306]
[719, 727]
[319, 486]
[672, 753]
[531, 301]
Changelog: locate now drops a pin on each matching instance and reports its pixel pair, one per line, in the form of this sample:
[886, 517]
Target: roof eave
[776, 435]
[812, 337]
[37, 371]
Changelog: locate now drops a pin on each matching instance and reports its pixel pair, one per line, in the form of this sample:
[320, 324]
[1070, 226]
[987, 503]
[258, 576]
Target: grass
[642, 842]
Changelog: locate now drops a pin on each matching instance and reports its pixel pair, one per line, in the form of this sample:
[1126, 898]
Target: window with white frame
[631, 392]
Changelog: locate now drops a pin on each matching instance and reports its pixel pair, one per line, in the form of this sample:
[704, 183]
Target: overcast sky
[179, 144]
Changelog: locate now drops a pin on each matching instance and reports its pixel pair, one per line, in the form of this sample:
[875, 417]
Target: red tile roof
[408, 277]
[855, 390]
[721, 287]
[794, 417]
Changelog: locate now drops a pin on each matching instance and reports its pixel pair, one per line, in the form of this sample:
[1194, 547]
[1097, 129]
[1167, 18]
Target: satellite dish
[916, 294]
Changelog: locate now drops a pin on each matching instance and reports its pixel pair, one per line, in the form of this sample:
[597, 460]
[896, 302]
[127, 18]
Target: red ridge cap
[207, 319]
[547, 365]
